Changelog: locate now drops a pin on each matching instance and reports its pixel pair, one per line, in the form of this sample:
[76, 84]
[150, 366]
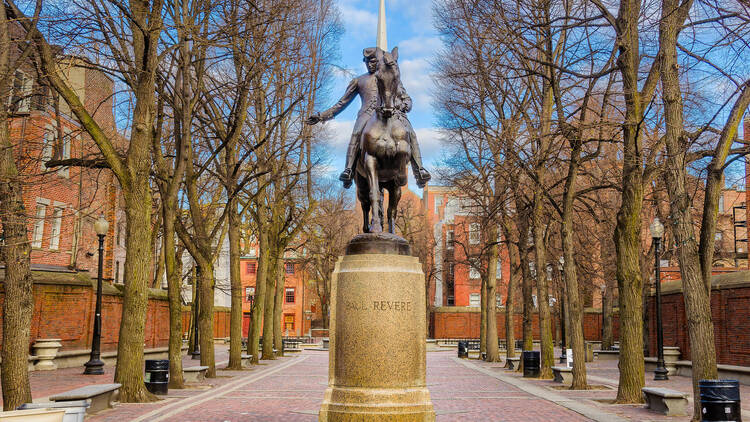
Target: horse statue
[384, 150]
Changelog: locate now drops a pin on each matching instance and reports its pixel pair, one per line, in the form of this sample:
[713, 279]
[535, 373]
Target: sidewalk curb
[571, 404]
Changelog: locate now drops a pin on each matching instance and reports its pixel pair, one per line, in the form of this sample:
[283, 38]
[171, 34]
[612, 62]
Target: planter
[671, 356]
[45, 349]
[33, 415]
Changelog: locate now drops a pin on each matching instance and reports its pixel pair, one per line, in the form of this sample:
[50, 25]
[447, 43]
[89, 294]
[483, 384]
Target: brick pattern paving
[292, 388]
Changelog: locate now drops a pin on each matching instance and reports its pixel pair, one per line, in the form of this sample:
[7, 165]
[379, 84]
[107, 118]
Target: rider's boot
[421, 175]
[347, 175]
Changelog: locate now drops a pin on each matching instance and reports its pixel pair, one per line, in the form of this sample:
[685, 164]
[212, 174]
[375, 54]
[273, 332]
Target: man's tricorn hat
[369, 53]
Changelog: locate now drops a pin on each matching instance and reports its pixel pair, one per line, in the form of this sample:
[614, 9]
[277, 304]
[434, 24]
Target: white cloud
[359, 23]
[419, 47]
[337, 135]
[429, 144]
[415, 75]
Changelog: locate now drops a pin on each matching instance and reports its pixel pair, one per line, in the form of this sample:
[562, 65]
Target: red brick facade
[730, 312]
[64, 308]
[464, 323]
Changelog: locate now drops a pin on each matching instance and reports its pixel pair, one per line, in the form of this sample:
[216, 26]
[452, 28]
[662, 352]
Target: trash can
[463, 349]
[720, 400]
[75, 410]
[157, 376]
[531, 360]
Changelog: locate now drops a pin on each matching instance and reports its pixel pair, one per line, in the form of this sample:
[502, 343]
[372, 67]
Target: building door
[288, 324]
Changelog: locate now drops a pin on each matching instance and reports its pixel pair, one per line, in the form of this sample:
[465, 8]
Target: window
[438, 202]
[474, 233]
[451, 301]
[54, 240]
[532, 269]
[20, 97]
[117, 271]
[474, 268]
[65, 153]
[717, 236]
[533, 300]
[289, 267]
[288, 323]
[721, 203]
[289, 296]
[449, 239]
[36, 238]
[49, 142]
[499, 269]
[498, 300]
[249, 294]
[250, 268]
[474, 300]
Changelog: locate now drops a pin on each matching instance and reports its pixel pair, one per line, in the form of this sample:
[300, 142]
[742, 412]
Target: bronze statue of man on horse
[383, 140]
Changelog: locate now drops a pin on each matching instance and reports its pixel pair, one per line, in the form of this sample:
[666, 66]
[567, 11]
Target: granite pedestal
[378, 328]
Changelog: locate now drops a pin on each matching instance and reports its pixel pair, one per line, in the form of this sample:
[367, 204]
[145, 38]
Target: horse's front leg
[394, 196]
[376, 225]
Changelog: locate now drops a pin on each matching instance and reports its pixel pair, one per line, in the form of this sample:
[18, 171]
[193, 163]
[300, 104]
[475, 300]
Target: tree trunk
[493, 353]
[206, 288]
[545, 321]
[129, 369]
[278, 306]
[696, 296]
[259, 306]
[510, 302]
[483, 317]
[607, 297]
[174, 284]
[18, 304]
[235, 321]
[267, 352]
[526, 286]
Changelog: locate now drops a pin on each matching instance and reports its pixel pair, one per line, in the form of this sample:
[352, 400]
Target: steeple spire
[382, 40]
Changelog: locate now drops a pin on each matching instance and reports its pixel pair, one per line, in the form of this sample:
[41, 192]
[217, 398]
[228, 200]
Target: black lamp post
[657, 231]
[95, 366]
[196, 344]
[564, 355]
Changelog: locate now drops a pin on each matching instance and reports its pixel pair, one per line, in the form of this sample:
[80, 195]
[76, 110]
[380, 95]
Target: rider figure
[366, 86]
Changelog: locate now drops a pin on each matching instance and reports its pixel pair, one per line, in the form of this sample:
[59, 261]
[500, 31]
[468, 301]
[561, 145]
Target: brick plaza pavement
[292, 388]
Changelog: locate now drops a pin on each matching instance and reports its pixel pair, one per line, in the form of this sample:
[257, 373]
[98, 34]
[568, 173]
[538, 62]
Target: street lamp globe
[656, 228]
[101, 226]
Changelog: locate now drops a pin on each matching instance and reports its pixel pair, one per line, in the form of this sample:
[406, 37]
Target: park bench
[608, 354]
[513, 362]
[666, 401]
[291, 346]
[563, 374]
[194, 373]
[101, 396]
[246, 359]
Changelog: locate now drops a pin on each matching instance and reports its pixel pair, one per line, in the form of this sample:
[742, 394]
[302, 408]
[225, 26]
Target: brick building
[458, 242]
[62, 203]
[299, 304]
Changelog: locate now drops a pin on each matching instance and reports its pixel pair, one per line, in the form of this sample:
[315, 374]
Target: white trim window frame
[474, 237]
[56, 226]
[474, 268]
[40, 214]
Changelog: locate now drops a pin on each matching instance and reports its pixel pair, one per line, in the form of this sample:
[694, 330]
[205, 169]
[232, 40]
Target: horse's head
[387, 77]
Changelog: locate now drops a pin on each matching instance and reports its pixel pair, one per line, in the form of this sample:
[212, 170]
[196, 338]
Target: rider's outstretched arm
[346, 99]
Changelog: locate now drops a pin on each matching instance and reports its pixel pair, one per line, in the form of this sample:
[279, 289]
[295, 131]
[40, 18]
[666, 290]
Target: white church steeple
[382, 40]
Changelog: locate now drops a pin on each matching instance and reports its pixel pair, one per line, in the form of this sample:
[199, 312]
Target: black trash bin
[463, 349]
[531, 361]
[157, 376]
[720, 400]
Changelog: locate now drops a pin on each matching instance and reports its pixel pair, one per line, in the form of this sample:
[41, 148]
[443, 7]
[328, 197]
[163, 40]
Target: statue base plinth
[377, 334]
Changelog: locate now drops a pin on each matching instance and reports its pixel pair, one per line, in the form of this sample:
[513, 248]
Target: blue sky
[409, 26]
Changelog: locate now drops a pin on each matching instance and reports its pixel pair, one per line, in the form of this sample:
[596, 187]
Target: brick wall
[221, 321]
[463, 322]
[64, 308]
[730, 312]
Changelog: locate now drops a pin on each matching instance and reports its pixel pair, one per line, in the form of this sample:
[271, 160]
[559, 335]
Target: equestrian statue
[383, 140]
